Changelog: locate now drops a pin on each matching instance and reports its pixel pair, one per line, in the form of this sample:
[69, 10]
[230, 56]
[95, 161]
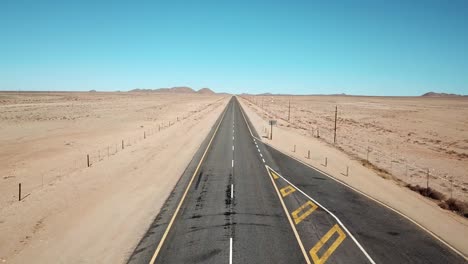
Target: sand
[75, 214]
[404, 136]
[450, 227]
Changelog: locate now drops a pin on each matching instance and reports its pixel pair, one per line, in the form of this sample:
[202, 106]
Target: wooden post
[308, 154]
[123, 144]
[318, 132]
[87, 157]
[347, 170]
[451, 187]
[19, 192]
[336, 114]
[294, 150]
[271, 131]
[325, 162]
[367, 158]
[427, 179]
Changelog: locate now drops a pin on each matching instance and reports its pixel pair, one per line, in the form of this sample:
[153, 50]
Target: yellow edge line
[289, 218]
[377, 201]
[299, 241]
[155, 255]
[459, 252]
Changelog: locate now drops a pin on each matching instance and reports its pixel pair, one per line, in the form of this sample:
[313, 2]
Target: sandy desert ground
[74, 214]
[404, 136]
[445, 225]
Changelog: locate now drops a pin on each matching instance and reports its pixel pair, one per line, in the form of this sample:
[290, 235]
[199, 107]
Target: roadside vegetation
[451, 204]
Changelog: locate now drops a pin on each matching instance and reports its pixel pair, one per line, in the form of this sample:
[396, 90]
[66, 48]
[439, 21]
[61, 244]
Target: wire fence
[77, 161]
[394, 166]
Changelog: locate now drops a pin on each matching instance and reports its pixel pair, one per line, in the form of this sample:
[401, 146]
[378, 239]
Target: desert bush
[455, 205]
[428, 192]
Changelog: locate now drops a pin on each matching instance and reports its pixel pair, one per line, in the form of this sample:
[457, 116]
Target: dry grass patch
[454, 205]
[428, 192]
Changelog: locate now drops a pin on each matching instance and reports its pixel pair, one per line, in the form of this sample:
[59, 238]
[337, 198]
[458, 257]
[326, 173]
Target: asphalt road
[240, 201]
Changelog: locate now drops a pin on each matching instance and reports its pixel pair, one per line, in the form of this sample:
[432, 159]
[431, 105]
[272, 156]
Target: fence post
[427, 179]
[367, 157]
[308, 154]
[326, 161]
[19, 192]
[123, 144]
[294, 150]
[87, 157]
[451, 187]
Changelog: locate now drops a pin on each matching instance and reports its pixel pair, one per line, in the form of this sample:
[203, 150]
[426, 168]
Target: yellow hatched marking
[302, 212]
[275, 176]
[313, 252]
[287, 190]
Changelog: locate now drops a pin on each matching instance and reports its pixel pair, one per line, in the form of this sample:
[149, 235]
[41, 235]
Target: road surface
[241, 201]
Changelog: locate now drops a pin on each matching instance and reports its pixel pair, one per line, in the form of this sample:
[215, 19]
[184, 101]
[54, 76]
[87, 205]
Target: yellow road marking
[269, 170]
[153, 259]
[323, 240]
[275, 176]
[299, 214]
[287, 190]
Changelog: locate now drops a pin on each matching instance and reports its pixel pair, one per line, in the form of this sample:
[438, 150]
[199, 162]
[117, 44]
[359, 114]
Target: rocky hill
[181, 89]
[433, 94]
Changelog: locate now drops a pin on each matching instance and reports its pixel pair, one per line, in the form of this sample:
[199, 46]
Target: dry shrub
[428, 192]
[455, 205]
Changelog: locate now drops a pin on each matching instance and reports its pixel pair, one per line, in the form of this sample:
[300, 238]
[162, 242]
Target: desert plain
[416, 140]
[138, 144]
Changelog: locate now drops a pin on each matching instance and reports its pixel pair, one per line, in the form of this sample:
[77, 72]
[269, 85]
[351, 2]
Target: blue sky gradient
[371, 47]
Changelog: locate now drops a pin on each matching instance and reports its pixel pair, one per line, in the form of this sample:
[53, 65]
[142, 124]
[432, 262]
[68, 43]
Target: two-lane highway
[240, 201]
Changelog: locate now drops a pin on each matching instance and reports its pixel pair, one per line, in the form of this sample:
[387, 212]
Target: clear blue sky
[375, 47]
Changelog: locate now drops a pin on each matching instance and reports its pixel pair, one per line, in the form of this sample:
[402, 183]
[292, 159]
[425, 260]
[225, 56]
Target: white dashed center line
[230, 250]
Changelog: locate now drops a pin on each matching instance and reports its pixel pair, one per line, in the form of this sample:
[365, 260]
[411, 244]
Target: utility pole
[336, 114]
[272, 122]
[271, 130]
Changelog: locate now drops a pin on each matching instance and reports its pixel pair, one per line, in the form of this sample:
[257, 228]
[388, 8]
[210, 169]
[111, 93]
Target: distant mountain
[433, 94]
[181, 89]
[205, 91]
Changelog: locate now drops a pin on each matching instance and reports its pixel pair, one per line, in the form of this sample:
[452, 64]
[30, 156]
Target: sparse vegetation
[428, 192]
[451, 204]
[456, 206]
